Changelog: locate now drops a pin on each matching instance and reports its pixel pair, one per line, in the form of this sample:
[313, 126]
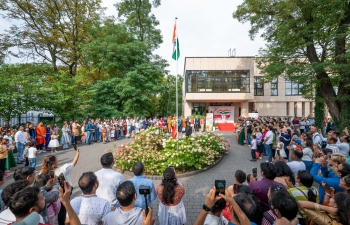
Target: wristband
[206, 208]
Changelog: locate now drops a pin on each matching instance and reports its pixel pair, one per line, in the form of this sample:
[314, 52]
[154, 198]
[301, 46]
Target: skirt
[54, 144]
[10, 161]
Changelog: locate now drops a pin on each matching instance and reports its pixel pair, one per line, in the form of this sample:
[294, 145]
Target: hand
[211, 198]
[227, 196]
[65, 194]
[49, 184]
[289, 184]
[149, 219]
[252, 178]
[320, 160]
[77, 151]
[331, 192]
[230, 190]
[55, 179]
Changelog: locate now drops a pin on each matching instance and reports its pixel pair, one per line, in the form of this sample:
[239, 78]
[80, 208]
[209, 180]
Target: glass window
[218, 81]
[198, 108]
[258, 86]
[274, 87]
[293, 88]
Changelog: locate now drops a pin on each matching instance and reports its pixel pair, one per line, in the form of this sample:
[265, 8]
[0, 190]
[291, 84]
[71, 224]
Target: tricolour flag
[176, 45]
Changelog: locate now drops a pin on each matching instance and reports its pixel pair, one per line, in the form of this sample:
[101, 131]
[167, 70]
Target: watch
[206, 208]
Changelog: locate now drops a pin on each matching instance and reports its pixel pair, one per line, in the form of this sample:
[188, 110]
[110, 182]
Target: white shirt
[316, 138]
[302, 124]
[109, 180]
[7, 217]
[65, 169]
[343, 148]
[295, 166]
[333, 147]
[20, 137]
[269, 135]
[90, 209]
[31, 152]
[253, 143]
[215, 220]
[307, 154]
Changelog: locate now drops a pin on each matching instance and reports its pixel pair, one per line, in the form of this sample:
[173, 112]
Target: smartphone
[75, 147]
[220, 186]
[52, 173]
[325, 185]
[235, 188]
[278, 152]
[328, 154]
[255, 172]
[61, 180]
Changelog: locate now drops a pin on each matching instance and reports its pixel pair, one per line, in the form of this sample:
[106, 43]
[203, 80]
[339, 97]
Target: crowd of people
[305, 180]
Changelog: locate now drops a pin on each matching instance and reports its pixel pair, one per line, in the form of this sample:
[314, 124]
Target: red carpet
[226, 127]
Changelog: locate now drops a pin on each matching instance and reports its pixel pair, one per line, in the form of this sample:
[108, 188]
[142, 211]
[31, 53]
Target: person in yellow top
[169, 123]
[3, 153]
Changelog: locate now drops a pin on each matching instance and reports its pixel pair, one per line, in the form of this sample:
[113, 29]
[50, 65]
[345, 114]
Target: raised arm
[76, 158]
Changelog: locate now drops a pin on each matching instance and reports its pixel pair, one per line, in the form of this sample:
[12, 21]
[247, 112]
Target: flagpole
[177, 97]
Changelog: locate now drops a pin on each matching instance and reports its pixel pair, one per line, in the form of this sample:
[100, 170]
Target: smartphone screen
[255, 171]
[328, 154]
[235, 188]
[52, 173]
[220, 186]
[61, 180]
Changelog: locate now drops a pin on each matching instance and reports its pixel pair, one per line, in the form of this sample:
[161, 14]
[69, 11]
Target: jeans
[268, 149]
[96, 135]
[287, 153]
[32, 162]
[116, 134]
[20, 149]
[308, 165]
[249, 138]
[74, 140]
[253, 153]
[307, 128]
[88, 137]
[107, 137]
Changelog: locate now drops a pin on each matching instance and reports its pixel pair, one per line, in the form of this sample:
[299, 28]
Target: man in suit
[196, 123]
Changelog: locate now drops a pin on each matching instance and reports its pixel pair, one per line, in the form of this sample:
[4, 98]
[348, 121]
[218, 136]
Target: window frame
[275, 82]
[256, 78]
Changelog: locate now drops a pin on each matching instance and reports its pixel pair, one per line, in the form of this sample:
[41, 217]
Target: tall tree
[167, 97]
[131, 76]
[306, 42]
[137, 16]
[51, 31]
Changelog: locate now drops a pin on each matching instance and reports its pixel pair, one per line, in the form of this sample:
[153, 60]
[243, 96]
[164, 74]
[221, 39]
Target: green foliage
[158, 151]
[49, 31]
[167, 96]
[319, 110]
[306, 42]
[20, 89]
[136, 15]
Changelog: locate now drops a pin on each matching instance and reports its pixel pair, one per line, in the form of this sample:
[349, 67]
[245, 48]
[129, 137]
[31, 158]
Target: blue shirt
[331, 181]
[140, 200]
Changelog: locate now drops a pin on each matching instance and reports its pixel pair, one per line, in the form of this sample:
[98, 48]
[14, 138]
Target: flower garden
[158, 150]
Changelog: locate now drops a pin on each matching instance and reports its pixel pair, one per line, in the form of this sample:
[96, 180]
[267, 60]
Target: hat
[33, 218]
[298, 141]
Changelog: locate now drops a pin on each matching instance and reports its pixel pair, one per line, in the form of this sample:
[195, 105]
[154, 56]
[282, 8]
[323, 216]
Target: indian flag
[176, 46]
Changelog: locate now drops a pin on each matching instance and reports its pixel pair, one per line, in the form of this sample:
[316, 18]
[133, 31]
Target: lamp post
[133, 107]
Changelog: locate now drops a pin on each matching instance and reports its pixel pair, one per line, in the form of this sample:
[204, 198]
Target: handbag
[257, 155]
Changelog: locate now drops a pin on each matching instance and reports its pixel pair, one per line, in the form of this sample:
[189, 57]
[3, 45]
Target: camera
[144, 190]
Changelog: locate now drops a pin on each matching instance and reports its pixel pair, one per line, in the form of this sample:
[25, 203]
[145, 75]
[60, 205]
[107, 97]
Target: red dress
[124, 128]
[173, 132]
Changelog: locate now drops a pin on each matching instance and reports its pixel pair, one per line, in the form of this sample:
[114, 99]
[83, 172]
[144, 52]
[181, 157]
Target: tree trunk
[319, 109]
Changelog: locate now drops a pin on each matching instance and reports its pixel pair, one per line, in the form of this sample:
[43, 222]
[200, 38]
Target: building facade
[236, 83]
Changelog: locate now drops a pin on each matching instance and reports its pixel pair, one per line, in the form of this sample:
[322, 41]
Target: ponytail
[311, 195]
[169, 190]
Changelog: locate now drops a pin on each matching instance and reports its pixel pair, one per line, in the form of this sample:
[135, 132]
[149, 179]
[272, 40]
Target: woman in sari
[10, 160]
[170, 121]
[124, 128]
[173, 128]
[241, 135]
[65, 140]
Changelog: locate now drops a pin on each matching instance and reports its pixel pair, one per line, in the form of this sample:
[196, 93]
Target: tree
[131, 75]
[20, 89]
[306, 42]
[167, 97]
[51, 30]
[136, 15]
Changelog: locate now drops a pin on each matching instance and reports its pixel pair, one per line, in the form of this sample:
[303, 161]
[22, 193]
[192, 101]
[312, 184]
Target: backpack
[323, 144]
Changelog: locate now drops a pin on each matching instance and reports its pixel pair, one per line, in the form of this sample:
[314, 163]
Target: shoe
[260, 157]
[267, 160]
[253, 160]
[19, 163]
[44, 151]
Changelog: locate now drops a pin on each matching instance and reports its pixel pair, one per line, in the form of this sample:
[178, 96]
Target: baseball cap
[31, 219]
[298, 141]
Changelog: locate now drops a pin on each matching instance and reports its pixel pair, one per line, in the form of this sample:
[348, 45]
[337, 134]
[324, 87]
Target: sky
[205, 28]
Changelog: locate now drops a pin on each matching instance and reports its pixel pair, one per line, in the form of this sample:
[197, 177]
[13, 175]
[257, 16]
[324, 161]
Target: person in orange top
[170, 121]
[104, 134]
[40, 136]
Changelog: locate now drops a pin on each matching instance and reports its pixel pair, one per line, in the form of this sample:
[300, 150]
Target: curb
[183, 174]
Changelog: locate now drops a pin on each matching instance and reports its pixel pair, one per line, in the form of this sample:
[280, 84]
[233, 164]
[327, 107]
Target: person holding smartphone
[51, 163]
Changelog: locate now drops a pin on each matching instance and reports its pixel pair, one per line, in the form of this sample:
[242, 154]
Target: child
[280, 153]
[31, 153]
[104, 134]
[111, 134]
[54, 144]
[52, 208]
[25, 153]
[253, 147]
